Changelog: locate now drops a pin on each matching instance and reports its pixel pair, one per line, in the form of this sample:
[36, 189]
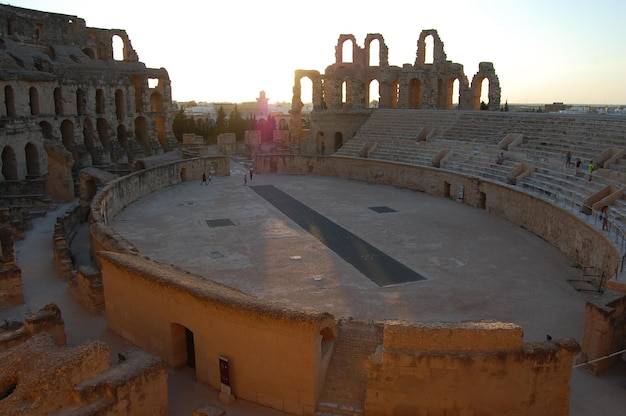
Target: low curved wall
[577, 239]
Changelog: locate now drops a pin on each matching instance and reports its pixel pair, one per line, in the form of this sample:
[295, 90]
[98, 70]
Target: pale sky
[571, 51]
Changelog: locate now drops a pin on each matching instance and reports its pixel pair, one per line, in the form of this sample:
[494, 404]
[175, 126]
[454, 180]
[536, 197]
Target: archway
[120, 107]
[88, 140]
[9, 164]
[338, 140]
[67, 138]
[183, 346]
[34, 101]
[160, 126]
[32, 160]
[141, 134]
[9, 101]
[415, 93]
[156, 102]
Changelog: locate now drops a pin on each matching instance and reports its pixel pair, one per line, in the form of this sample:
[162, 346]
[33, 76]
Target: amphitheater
[378, 262]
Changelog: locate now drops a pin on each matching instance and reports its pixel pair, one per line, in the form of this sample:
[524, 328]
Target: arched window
[141, 134]
[34, 101]
[80, 102]
[415, 93]
[117, 43]
[58, 101]
[120, 107]
[32, 160]
[373, 94]
[99, 101]
[346, 51]
[429, 45]
[9, 101]
[156, 102]
[374, 58]
[9, 164]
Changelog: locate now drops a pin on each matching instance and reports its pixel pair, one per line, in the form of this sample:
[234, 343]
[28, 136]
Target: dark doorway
[191, 349]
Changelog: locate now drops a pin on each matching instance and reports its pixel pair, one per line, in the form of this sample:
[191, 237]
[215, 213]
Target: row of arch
[10, 162]
[156, 102]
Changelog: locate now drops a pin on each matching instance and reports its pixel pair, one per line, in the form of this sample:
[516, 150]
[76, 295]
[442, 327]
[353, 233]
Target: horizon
[543, 52]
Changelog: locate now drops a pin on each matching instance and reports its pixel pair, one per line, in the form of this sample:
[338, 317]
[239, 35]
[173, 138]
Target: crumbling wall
[48, 319]
[473, 368]
[11, 288]
[604, 333]
[41, 378]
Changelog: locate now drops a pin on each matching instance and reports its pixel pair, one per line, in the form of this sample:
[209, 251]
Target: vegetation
[209, 129]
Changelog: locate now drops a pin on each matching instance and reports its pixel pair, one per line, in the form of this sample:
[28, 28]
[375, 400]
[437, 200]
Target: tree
[483, 106]
[236, 124]
[220, 123]
[179, 125]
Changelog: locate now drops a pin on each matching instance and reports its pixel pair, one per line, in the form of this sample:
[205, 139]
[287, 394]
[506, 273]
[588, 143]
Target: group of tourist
[568, 163]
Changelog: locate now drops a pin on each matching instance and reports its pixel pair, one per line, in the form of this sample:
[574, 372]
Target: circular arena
[199, 273]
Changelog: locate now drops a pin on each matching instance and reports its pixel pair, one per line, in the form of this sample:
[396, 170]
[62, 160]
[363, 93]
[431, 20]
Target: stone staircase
[345, 386]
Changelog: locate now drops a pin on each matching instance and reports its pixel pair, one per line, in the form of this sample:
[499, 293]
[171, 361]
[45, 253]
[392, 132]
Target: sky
[543, 51]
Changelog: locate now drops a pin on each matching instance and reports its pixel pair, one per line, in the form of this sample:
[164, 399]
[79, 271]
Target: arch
[454, 91]
[435, 52]
[374, 42]
[319, 142]
[9, 164]
[156, 102]
[160, 127]
[58, 101]
[90, 53]
[102, 127]
[486, 71]
[89, 140]
[327, 342]
[9, 101]
[32, 160]
[373, 55]
[373, 94]
[338, 141]
[46, 130]
[429, 49]
[342, 49]
[415, 93]
[183, 346]
[117, 46]
[122, 138]
[67, 138]
[344, 94]
[80, 101]
[138, 83]
[100, 101]
[120, 105]
[395, 93]
[141, 134]
[34, 101]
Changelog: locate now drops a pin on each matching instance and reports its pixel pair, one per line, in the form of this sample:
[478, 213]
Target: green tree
[236, 124]
[221, 124]
[179, 125]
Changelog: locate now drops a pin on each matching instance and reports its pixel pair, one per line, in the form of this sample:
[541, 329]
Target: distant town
[202, 109]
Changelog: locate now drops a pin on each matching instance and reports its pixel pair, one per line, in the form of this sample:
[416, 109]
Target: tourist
[500, 158]
[250, 173]
[604, 218]
[568, 159]
[204, 182]
[245, 179]
[592, 167]
[578, 163]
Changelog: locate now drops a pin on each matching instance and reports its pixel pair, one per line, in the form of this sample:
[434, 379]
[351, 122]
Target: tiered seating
[471, 140]
[20, 202]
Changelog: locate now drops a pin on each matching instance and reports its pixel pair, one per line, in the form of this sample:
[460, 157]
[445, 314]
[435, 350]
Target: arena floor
[475, 265]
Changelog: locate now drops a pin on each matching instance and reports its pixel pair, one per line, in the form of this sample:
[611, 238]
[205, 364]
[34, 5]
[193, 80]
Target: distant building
[556, 107]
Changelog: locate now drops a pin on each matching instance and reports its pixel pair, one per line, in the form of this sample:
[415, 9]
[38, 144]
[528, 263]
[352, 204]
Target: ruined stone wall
[468, 369]
[60, 81]
[426, 83]
[604, 333]
[275, 354]
[48, 319]
[41, 378]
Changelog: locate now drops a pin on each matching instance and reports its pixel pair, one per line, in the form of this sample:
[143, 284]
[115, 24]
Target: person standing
[578, 163]
[592, 167]
[568, 159]
[605, 219]
[204, 182]
[251, 174]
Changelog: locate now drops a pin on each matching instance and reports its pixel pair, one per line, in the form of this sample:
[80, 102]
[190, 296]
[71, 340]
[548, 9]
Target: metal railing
[615, 233]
